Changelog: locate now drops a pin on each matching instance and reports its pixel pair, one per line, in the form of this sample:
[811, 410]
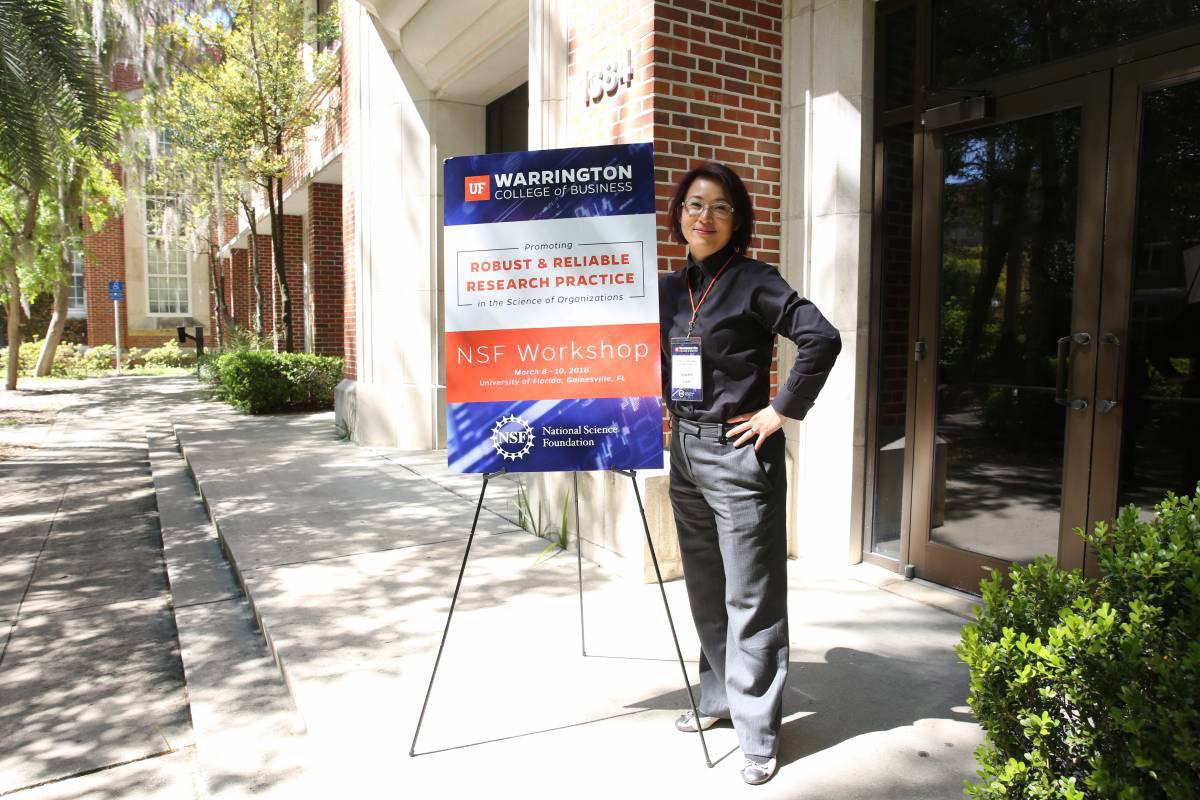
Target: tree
[48, 83]
[251, 94]
[203, 172]
[50, 93]
[86, 194]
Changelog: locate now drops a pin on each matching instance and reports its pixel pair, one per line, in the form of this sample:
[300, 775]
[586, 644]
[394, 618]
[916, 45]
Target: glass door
[1012, 224]
[1147, 437]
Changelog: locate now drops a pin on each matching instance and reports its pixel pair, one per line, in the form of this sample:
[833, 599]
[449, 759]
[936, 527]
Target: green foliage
[49, 84]
[265, 382]
[237, 120]
[100, 358]
[77, 361]
[170, 354]
[27, 358]
[242, 339]
[1089, 689]
[530, 520]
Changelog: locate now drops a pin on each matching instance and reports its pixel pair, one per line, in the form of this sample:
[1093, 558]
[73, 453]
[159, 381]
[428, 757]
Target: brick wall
[125, 77]
[325, 267]
[718, 78]
[293, 264]
[241, 289]
[349, 12]
[262, 244]
[707, 86]
[718, 93]
[104, 261]
[601, 33]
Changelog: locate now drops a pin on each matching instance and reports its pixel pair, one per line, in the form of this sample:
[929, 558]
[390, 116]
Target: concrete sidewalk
[348, 557]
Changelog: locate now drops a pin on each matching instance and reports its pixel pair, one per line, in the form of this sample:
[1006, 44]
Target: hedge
[265, 382]
[1089, 689]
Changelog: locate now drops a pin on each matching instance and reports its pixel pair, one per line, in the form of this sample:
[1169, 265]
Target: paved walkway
[348, 557]
[90, 673]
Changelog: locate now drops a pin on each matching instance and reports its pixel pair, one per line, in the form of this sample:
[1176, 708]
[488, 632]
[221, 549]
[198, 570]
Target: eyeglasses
[695, 208]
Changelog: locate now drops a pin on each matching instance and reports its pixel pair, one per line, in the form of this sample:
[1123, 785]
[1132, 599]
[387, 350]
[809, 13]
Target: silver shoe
[754, 773]
[687, 722]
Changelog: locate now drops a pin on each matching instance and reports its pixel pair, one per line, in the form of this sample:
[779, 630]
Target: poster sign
[551, 286]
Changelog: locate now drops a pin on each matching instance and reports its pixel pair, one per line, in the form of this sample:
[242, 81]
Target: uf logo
[478, 187]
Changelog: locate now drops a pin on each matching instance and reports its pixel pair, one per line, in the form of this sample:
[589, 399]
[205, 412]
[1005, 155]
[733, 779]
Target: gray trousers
[729, 505]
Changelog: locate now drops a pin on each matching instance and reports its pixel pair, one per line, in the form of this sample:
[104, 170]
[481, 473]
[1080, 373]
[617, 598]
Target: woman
[719, 316]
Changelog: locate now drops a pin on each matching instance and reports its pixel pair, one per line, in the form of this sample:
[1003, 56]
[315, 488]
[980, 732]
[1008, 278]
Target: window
[77, 294]
[973, 41]
[325, 42]
[167, 283]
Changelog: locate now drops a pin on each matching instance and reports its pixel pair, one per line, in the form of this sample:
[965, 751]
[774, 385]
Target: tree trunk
[255, 274]
[275, 200]
[14, 328]
[70, 218]
[22, 250]
[58, 321]
[216, 271]
[219, 299]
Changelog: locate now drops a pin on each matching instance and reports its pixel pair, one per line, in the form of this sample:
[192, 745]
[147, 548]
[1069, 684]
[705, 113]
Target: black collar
[711, 265]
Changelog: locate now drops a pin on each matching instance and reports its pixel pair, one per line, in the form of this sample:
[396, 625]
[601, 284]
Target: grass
[532, 521]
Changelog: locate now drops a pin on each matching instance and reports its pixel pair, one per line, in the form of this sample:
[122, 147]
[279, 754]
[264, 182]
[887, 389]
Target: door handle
[1112, 401]
[1061, 374]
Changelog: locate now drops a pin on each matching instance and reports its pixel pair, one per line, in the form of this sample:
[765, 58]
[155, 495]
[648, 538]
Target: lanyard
[692, 298]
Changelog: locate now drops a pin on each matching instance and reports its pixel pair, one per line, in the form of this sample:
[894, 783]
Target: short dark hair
[743, 213]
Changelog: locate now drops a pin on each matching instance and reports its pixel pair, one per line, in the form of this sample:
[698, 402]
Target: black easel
[632, 474]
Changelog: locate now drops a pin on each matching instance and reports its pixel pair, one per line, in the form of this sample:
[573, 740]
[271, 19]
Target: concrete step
[250, 739]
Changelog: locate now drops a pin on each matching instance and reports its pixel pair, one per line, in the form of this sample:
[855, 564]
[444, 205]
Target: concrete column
[827, 228]
[399, 135]
[547, 73]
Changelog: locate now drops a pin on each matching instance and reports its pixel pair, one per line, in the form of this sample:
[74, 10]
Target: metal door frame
[1130, 83]
[952, 566]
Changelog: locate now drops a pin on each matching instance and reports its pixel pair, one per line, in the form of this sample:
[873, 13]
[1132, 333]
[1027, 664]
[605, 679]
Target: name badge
[687, 380]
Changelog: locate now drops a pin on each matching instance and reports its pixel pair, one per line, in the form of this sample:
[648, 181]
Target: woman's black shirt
[748, 306]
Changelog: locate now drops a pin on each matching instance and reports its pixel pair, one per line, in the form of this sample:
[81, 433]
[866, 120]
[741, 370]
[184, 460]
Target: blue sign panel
[116, 290]
[552, 354]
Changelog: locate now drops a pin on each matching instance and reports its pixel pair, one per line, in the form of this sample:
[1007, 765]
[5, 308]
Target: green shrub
[78, 361]
[241, 339]
[27, 359]
[133, 357]
[263, 381]
[170, 354]
[98, 358]
[1089, 689]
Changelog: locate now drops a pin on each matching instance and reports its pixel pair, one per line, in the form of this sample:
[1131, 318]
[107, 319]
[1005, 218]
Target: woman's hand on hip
[760, 424]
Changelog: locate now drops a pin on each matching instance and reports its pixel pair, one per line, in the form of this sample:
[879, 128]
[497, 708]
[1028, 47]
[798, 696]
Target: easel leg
[412, 751]
[579, 563]
[687, 684]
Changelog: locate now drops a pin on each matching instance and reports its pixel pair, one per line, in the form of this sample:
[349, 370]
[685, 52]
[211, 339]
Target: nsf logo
[512, 437]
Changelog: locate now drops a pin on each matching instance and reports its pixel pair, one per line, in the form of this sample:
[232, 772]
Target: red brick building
[883, 143]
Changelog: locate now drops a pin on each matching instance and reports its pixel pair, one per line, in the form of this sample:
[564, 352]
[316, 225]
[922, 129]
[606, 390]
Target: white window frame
[77, 310]
[154, 241]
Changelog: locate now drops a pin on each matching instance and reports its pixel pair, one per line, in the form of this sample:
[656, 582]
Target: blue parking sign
[116, 290]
